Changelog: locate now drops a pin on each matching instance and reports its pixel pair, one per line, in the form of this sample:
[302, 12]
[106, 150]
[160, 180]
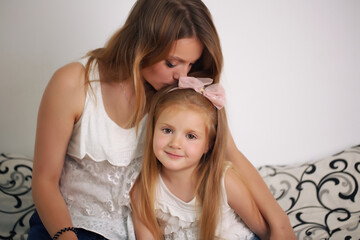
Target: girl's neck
[182, 185]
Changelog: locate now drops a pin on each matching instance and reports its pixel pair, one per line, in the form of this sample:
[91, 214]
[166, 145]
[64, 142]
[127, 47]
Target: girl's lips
[171, 155]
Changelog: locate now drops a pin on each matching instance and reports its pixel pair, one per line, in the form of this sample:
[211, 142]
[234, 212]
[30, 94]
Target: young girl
[91, 119]
[184, 190]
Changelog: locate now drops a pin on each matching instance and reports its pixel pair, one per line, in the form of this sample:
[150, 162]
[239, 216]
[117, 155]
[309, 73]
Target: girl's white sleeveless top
[178, 219]
[101, 165]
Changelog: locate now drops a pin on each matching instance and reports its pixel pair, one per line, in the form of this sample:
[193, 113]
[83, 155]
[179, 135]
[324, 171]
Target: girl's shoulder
[233, 182]
[230, 172]
[230, 176]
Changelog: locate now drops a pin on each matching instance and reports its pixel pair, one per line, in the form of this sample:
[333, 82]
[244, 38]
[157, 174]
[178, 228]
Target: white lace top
[102, 163]
[178, 219]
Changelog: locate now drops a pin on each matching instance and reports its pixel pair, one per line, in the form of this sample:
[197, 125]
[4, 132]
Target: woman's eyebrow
[176, 58]
[179, 59]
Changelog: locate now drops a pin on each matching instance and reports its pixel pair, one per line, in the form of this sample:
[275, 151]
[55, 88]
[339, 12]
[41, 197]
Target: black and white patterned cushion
[16, 205]
[321, 198]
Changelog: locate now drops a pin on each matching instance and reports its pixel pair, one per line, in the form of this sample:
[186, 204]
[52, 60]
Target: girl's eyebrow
[165, 124]
[190, 130]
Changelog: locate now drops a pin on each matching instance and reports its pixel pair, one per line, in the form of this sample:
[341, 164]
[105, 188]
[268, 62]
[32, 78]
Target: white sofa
[321, 198]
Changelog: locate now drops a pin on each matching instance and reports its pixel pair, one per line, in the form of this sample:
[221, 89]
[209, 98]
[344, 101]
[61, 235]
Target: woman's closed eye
[169, 64]
[172, 65]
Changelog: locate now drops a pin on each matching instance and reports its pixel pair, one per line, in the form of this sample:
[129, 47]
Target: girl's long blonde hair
[208, 172]
[146, 38]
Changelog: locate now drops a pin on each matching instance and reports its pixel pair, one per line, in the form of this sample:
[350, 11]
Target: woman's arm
[60, 108]
[246, 208]
[279, 223]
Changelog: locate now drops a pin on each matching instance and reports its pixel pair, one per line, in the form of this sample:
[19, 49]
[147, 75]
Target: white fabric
[178, 219]
[102, 163]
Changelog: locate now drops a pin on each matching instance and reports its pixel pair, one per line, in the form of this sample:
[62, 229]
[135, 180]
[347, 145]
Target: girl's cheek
[159, 140]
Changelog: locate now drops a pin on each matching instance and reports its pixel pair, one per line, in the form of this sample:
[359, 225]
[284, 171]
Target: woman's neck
[118, 98]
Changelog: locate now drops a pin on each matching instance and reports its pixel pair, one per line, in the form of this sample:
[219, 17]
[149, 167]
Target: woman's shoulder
[69, 79]
[67, 88]
[71, 75]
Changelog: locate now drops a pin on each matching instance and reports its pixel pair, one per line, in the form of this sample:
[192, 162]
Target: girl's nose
[175, 142]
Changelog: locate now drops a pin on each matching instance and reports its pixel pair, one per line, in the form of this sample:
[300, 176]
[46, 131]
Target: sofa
[321, 198]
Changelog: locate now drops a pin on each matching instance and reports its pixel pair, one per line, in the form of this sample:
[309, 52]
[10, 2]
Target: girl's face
[183, 54]
[180, 138]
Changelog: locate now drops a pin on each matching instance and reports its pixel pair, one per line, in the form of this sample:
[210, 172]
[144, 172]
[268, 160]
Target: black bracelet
[66, 229]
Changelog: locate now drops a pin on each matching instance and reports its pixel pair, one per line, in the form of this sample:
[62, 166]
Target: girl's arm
[141, 231]
[279, 223]
[245, 207]
[61, 106]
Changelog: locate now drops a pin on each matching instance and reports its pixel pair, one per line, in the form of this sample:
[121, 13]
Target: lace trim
[121, 159]
[183, 234]
[170, 224]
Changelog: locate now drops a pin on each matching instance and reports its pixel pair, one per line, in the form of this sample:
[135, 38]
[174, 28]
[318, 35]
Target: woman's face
[183, 54]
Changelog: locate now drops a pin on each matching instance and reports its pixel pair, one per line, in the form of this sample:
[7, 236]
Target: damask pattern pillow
[321, 198]
[16, 205]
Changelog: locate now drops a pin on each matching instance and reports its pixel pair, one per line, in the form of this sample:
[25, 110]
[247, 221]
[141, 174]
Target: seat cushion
[321, 198]
[16, 205]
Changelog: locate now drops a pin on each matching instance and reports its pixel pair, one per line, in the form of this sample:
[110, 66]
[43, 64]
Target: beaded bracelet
[66, 229]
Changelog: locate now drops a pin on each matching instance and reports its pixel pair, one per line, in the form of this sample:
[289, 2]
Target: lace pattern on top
[97, 195]
[183, 234]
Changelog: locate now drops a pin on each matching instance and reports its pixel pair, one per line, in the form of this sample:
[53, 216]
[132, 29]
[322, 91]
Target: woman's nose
[181, 72]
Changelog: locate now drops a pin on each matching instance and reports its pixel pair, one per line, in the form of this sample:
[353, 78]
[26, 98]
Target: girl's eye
[169, 64]
[167, 130]
[191, 136]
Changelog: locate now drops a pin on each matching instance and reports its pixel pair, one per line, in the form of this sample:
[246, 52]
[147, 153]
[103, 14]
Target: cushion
[321, 198]
[16, 205]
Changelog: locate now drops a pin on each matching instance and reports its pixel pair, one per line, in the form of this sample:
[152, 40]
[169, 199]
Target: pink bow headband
[214, 92]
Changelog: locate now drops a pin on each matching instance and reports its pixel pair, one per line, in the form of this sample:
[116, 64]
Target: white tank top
[178, 219]
[101, 165]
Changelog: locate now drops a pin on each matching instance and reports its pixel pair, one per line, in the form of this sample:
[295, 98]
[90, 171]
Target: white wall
[291, 69]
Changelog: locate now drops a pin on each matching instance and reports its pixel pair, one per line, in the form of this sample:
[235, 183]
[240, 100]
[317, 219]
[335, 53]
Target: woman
[91, 120]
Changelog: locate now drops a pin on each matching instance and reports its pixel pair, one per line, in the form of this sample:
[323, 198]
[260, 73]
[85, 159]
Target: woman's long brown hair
[146, 38]
[208, 172]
